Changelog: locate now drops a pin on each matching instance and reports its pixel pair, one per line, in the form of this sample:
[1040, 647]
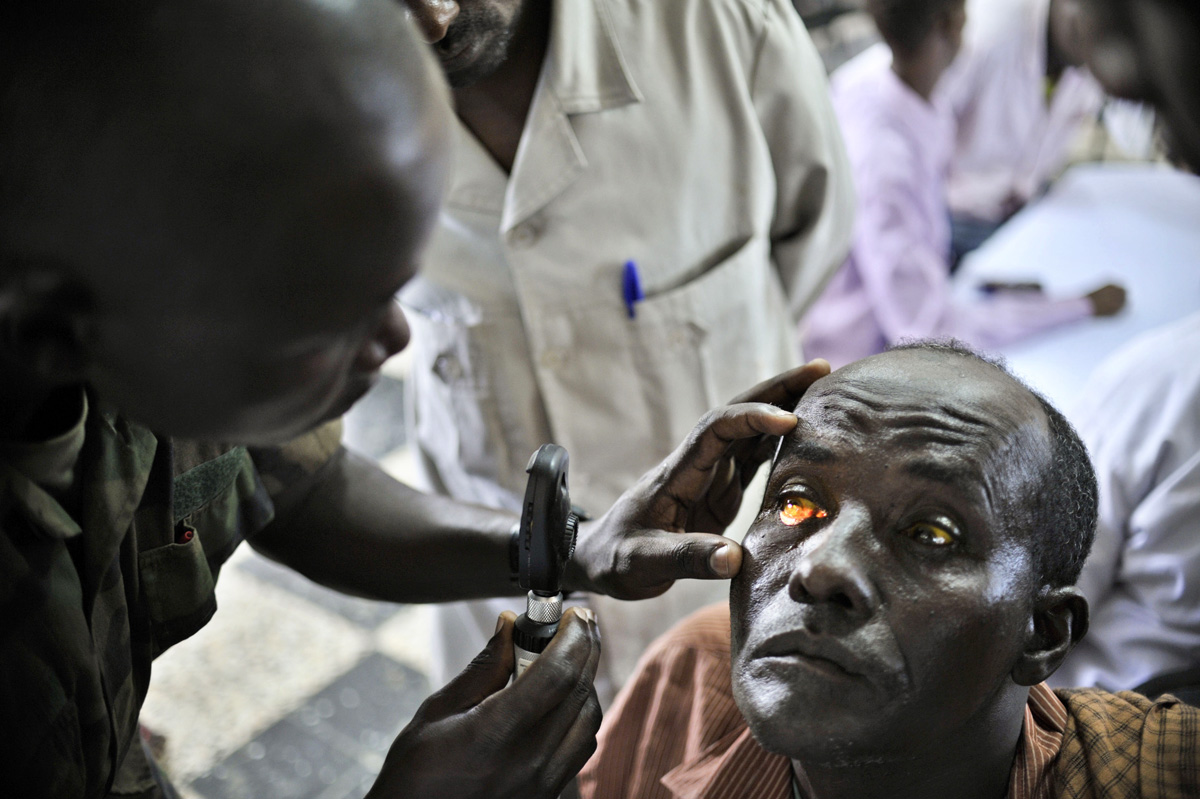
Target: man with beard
[646, 196]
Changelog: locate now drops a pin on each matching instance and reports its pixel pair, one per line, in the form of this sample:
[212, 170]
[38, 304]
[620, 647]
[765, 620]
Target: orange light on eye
[796, 511]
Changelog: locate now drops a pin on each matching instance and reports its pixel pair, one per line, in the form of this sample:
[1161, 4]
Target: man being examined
[907, 587]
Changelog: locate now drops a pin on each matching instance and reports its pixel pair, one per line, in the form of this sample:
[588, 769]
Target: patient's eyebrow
[951, 475]
[807, 451]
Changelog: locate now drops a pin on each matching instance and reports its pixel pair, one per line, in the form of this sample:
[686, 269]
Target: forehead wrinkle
[957, 440]
[956, 475]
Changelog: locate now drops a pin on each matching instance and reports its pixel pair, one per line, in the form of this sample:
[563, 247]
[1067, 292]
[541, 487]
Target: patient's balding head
[206, 206]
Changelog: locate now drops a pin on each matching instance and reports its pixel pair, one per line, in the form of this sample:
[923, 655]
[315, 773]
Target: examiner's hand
[664, 528]
[1107, 300]
[478, 738]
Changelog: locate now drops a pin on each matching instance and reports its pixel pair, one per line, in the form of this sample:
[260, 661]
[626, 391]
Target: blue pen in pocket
[631, 288]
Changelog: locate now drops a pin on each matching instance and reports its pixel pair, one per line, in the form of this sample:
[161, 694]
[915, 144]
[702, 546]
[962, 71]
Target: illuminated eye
[934, 535]
[798, 509]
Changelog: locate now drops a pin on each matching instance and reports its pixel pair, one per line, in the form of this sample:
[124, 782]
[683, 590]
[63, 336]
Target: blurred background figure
[841, 29]
[1140, 412]
[1019, 97]
[1140, 417]
[900, 138]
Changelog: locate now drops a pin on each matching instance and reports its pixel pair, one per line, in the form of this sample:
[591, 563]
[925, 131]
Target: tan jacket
[693, 137]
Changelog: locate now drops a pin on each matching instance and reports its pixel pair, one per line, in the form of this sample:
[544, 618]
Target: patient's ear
[1059, 622]
[45, 319]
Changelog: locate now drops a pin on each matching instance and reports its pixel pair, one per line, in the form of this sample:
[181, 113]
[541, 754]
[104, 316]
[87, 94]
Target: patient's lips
[815, 653]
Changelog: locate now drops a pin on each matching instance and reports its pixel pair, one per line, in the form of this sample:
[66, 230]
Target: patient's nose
[832, 567]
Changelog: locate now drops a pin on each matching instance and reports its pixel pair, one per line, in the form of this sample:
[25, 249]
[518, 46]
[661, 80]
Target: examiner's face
[291, 313]
[882, 598]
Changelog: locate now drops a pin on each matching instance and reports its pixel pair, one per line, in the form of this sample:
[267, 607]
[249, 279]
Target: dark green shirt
[89, 597]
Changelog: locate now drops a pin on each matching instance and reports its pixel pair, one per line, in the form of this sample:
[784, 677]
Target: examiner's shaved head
[215, 193]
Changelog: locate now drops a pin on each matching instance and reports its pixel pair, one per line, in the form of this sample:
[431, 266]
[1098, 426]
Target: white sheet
[1137, 225]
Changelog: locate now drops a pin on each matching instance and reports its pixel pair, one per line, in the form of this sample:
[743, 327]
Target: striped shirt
[676, 733]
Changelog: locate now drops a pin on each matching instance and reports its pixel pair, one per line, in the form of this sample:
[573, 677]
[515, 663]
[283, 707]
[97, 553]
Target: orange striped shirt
[675, 732]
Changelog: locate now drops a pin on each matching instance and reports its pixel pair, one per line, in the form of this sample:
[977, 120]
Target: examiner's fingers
[490, 671]
[660, 557]
[578, 744]
[689, 470]
[784, 390]
[559, 671]
[559, 723]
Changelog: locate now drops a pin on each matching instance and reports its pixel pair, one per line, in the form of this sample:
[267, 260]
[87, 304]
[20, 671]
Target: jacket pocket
[473, 395]
[178, 589]
[701, 344]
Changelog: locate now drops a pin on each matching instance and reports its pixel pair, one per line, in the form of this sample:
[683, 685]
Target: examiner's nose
[831, 566]
[433, 17]
[389, 338]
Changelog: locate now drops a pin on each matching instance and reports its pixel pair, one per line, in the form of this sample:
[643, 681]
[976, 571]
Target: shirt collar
[44, 511]
[116, 458]
[38, 475]
[584, 62]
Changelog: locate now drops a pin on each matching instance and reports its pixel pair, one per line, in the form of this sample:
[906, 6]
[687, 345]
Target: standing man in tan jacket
[687, 145]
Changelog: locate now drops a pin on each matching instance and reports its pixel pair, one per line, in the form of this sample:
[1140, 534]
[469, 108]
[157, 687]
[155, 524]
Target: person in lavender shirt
[896, 282]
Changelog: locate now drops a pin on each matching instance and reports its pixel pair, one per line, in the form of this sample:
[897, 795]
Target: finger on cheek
[729, 559]
[720, 561]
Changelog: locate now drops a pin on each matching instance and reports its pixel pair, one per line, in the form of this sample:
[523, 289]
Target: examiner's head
[206, 207]
[911, 571]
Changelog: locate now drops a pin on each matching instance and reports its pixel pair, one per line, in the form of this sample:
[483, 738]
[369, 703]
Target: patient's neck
[971, 763]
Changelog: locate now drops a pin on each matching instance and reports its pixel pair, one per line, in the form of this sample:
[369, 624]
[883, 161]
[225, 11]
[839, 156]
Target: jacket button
[524, 235]
[448, 368]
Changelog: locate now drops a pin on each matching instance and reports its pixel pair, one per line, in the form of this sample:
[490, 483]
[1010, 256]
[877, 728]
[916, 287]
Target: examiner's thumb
[666, 557]
[490, 670]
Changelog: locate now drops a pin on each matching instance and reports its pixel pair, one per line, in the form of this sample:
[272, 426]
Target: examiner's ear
[45, 316]
[1059, 622]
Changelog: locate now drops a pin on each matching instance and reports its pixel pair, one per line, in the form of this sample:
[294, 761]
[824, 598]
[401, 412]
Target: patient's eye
[939, 533]
[796, 510]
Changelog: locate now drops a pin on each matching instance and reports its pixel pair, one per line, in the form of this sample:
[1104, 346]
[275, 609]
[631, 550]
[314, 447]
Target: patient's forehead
[950, 406]
[903, 382]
